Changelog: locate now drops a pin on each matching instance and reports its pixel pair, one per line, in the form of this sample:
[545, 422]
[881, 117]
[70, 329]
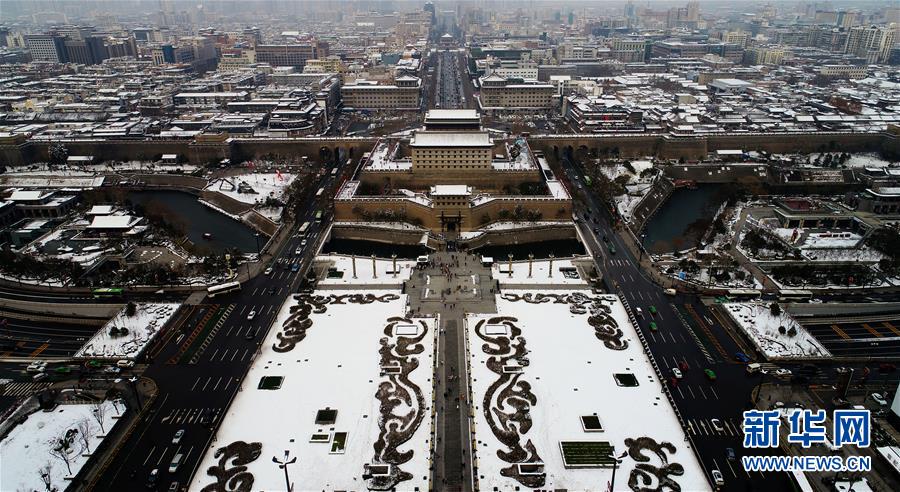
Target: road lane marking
[195, 384]
[233, 354]
[244, 354]
[208, 379]
[702, 392]
[228, 333]
[152, 450]
[216, 387]
[39, 350]
[872, 330]
[714, 392]
[213, 356]
[241, 313]
[223, 355]
[891, 327]
[841, 333]
[692, 392]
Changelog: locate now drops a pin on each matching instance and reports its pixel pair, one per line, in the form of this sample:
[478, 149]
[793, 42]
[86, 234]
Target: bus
[793, 295]
[303, 228]
[743, 294]
[319, 216]
[223, 288]
[107, 292]
[319, 193]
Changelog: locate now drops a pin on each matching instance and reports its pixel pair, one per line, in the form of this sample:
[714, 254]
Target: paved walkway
[453, 285]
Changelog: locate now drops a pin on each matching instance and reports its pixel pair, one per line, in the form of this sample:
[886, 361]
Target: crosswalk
[22, 389]
[715, 427]
[185, 416]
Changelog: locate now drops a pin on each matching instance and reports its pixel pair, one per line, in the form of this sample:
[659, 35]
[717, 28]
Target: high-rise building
[873, 42]
[290, 55]
[46, 47]
[88, 50]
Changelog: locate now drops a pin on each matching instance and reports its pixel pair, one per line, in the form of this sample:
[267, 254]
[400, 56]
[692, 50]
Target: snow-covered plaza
[343, 382]
[568, 387]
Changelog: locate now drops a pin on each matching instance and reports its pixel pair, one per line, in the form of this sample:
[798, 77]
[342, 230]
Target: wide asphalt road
[187, 391]
[712, 410]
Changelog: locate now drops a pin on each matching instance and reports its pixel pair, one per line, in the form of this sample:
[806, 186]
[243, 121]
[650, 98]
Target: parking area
[43, 338]
[854, 337]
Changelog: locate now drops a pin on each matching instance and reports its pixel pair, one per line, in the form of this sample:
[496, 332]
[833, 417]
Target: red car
[887, 367]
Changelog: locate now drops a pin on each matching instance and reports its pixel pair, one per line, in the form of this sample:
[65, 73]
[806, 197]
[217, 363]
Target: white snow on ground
[761, 326]
[335, 366]
[364, 274]
[571, 374]
[540, 272]
[27, 446]
[626, 203]
[265, 185]
[143, 327]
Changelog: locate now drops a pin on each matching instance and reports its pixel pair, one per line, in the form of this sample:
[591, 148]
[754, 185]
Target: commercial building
[501, 93]
[46, 47]
[290, 55]
[402, 94]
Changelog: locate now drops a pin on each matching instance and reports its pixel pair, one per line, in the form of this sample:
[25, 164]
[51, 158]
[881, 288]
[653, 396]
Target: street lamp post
[137, 395]
[641, 257]
[283, 464]
[616, 461]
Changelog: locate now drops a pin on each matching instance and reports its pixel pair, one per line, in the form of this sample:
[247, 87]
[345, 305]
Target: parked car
[782, 372]
[125, 364]
[267, 271]
[729, 452]
[717, 425]
[877, 398]
[639, 312]
[710, 374]
[251, 315]
[683, 365]
[652, 326]
[671, 292]
[174, 486]
[652, 309]
[742, 357]
[677, 373]
[112, 370]
[887, 367]
[178, 435]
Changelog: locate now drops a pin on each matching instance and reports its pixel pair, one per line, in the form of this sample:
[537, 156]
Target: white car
[268, 271]
[717, 425]
[178, 435]
[782, 372]
[125, 364]
[677, 373]
[251, 315]
[877, 398]
[718, 479]
[36, 366]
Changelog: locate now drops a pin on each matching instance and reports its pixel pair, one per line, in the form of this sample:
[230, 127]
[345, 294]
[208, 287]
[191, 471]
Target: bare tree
[60, 449]
[44, 472]
[85, 433]
[99, 413]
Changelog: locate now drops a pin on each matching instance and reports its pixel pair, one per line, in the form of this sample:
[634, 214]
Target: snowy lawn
[335, 366]
[761, 326]
[143, 327]
[383, 273]
[264, 186]
[571, 375]
[27, 447]
[540, 272]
